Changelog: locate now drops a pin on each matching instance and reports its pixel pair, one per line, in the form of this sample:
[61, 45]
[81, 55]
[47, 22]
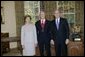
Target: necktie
[57, 24]
[42, 24]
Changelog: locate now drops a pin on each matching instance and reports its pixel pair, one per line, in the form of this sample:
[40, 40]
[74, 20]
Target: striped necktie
[57, 23]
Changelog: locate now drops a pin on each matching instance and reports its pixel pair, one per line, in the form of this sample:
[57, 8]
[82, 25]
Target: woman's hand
[23, 47]
[36, 45]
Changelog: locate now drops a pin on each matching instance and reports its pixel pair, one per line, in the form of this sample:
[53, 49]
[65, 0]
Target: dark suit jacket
[62, 33]
[43, 37]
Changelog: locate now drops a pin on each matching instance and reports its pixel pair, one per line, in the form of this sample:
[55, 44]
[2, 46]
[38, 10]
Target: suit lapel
[54, 24]
[40, 24]
[60, 23]
[45, 24]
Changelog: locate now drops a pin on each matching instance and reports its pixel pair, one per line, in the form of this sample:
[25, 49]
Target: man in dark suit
[60, 33]
[43, 34]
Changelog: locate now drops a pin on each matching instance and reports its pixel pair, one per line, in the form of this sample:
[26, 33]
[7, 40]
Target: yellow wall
[10, 21]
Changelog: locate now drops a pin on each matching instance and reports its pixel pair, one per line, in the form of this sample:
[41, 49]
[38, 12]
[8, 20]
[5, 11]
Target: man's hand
[52, 42]
[67, 41]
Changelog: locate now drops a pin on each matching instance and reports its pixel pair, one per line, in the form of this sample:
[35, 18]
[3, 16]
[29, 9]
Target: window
[68, 10]
[32, 8]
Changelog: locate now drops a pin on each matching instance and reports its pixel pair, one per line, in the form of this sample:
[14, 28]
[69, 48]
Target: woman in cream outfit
[28, 37]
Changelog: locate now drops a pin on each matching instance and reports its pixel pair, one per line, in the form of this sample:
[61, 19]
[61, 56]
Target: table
[11, 39]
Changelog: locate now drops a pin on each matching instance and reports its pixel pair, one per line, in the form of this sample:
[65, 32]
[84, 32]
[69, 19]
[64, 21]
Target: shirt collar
[43, 20]
[58, 19]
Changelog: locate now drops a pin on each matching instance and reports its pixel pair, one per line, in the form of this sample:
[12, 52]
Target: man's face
[57, 14]
[42, 15]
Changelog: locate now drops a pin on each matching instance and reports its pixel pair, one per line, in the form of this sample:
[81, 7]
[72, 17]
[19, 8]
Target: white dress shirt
[57, 22]
[42, 21]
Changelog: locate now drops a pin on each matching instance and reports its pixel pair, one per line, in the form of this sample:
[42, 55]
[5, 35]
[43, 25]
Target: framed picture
[2, 16]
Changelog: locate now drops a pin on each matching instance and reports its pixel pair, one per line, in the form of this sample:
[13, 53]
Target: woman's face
[27, 20]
